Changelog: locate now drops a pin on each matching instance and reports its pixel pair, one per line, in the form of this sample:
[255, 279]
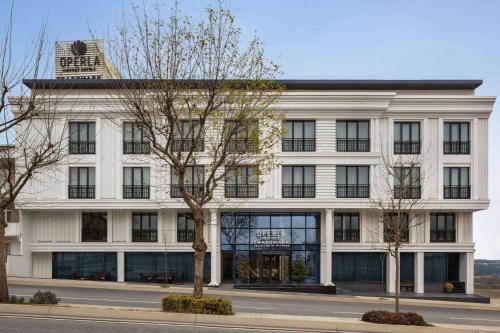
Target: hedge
[190, 304]
[393, 318]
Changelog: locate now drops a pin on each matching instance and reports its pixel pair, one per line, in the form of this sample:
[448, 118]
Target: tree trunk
[200, 248]
[4, 288]
[398, 287]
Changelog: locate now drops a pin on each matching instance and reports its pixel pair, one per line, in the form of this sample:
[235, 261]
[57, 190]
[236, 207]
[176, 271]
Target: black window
[144, 227]
[244, 136]
[395, 230]
[82, 138]
[456, 183]
[353, 135]
[346, 227]
[353, 182]
[185, 227]
[188, 136]
[456, 138]
[94, 227]
[406, 138]
[299, 135]
[242, 182]
[134, 139]
[442, 227]
[407, 183]
[299, 182]
[194, 179]
[81, 183]
[136, 182]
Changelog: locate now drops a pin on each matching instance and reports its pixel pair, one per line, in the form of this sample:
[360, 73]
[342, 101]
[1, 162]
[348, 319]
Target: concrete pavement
[310, 307]
[246, 320]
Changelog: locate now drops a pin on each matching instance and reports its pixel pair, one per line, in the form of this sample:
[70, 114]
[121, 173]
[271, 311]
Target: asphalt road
[265, 305]
[14, 324]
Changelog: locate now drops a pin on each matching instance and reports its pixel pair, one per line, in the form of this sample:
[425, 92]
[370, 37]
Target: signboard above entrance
[82, 59]
[270, 237]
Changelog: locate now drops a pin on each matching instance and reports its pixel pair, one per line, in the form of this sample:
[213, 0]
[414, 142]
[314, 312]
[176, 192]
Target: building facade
[111, 210]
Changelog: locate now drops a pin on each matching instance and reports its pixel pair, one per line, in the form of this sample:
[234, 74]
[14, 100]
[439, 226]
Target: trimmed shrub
[16, 300]
[393, 318]
[190, 304]
[45, 297]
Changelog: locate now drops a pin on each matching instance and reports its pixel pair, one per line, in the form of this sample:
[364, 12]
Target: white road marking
[356, 313]
[479, 319]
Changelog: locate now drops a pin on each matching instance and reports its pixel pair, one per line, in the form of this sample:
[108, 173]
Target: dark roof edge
[288, 84]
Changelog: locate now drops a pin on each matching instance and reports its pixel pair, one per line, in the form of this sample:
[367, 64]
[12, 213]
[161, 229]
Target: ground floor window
[441, 267]
[407, 268]
[358, 267]
[84, 265]
[278, 248]
[158, 267]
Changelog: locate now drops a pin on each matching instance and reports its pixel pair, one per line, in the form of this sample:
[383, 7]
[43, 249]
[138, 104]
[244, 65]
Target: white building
[108, 213]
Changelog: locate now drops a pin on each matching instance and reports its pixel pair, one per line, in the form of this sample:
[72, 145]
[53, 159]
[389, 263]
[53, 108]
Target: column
[467, 271]
[120, 266]
[214, 250]
[328, 246]
[391, 274]
[419, 272]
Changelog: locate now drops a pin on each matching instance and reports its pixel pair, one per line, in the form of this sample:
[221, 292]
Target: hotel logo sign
[270, 238]
[81, 59]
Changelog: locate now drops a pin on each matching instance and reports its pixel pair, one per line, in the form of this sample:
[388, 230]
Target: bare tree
[31, 140]
[396, 203]
[204, 101]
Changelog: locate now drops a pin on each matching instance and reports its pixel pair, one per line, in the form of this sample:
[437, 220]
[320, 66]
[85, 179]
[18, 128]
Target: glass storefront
[271, 248]
[84, 265]
[175, 267]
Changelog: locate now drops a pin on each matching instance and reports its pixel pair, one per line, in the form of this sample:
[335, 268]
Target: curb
[247, 320]
[269, 295]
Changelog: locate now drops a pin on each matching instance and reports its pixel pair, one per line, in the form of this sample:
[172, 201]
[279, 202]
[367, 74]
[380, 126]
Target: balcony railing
[346, 236]
[134, 147]
[144, 235]
[185, 236]
[457, 192]
[94, 235]
[407, 192]
[193, 189]
[406, 147]
[82, 147]
[136, 192]
[242, 191]
[188, 145]
[444, 236]
[241, 146]
[298, 144]
[350, 145]
[81, 192]
[457, 147]
[353, 191]
[298, 191]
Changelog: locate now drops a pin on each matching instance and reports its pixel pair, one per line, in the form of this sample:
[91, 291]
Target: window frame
[185, 229]
[303, 184]
[303, 122]
[151, 238]
[434, 219]
[347, 184]
[357, 137]
[248, 184]
[94, 219]
[463, 146]
[193, 185]
[344, 239]
[411, 141]
[134, 127]
[90, 150]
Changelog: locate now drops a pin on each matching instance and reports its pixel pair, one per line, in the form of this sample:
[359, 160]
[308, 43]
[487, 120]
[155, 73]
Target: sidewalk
[248, 320]
[225, 291]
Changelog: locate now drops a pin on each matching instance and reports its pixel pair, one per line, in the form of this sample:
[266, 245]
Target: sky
[351, 39]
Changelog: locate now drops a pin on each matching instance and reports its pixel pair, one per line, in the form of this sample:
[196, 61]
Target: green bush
[46, 297]
[16, 300]
[190, 304]
[393, 318]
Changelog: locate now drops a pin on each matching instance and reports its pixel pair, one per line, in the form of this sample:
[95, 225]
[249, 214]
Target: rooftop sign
[81, 59]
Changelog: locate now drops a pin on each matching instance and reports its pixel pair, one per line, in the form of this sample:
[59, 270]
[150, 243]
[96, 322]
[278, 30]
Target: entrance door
[275, 268]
